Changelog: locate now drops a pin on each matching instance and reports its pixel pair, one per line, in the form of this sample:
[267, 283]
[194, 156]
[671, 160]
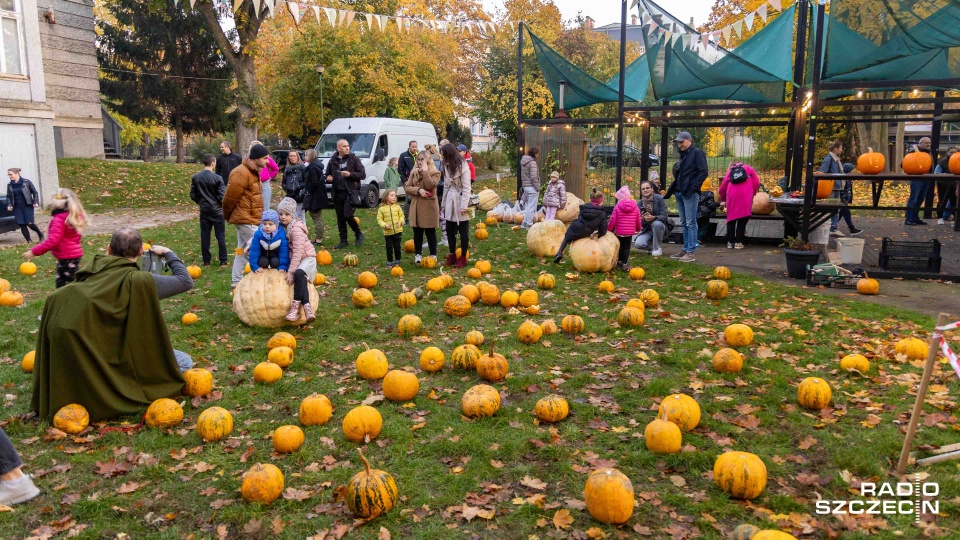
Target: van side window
[381, 152]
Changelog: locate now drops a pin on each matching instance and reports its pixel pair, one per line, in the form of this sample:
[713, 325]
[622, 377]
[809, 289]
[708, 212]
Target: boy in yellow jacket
[390, 219]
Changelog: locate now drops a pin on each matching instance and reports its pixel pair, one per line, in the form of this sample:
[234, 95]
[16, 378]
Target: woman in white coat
[456, 204]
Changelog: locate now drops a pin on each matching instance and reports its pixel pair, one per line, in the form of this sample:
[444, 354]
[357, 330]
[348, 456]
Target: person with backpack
[737, 190]
[293, 182]
[842, 189]
[705, 210]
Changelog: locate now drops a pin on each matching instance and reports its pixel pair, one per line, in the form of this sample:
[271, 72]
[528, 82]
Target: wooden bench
[761, 229]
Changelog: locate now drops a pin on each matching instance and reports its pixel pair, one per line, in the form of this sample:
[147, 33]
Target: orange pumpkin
[529, 298]
[432, 360]
[324, 258]
[548, 327]
[509, 299]
[474, 273]
[163, 413]
[868, 286]
[572, 324]
[493, 367]
[871, 162]
[71, 419]
[287, 439]
[824, 188]
[474, 337]
[367, 280]
[917, 162]
[529, 332]
[457, 306]
[315, 410]
[362, 424]
[197, 382]
[214, 424]
[484, 266]
[399, 385]
[954, 163]
[263, 483]
[281, 356]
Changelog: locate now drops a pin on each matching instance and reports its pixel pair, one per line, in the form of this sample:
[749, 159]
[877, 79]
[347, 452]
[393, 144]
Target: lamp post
[320, 70]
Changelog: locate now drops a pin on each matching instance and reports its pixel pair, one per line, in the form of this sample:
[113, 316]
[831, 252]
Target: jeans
[463, 229]
[317, 217]
[947, 198]
[529, 202]
[431, 239]
[301, 214]
[244, 234]
[736, 230]
[344, 210]
[300, 292]
[267, 191]
[217, 225]
[623, 255]
[918, 192]
[392, 243]
[654, 235]
[687, 208]
[9, 458]
[269, 260]
[183, 360]
[847, 217]
[550, 212]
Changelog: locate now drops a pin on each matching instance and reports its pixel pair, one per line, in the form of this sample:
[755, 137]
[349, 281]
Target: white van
[374, 141]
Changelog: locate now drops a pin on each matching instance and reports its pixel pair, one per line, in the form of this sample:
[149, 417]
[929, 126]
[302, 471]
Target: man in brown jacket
[243, 203]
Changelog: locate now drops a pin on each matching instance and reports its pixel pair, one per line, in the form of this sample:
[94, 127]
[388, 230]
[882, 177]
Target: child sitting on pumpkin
[591, 221]
[268, 247]
[303, 260]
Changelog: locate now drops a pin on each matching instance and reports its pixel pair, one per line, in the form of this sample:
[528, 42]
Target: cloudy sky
[608, 11]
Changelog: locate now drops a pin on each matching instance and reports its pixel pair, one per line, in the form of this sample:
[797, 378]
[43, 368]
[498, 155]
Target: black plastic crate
[910, 256]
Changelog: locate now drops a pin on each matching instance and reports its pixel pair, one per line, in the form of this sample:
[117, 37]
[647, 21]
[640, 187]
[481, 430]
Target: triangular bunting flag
[384, 21]
[674, 39]
[331, 16]
[512, 28]
[294, 11]
[762, 12]
[685, 40]
[316, 12]
[726, 34]
[236, 5]
[369, 18]
[704, 38]
[341, 17]
[350, 17]
[748, 20]
[775, 4]
[738, 28]
[399, 21]
[270, 6]
[668, 34]
[256, 7]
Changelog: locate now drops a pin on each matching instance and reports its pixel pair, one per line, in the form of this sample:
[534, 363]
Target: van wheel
[371, 197]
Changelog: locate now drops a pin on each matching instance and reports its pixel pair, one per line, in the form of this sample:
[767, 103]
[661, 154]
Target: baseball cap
[683, 136]
[462, 147]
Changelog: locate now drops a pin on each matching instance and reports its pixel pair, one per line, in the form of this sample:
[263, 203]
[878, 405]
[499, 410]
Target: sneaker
[836, 233]
[417, 259]
[443, 242]
[911, 223]
[341, 245]
[624, 266]
[359, 241]
[679, 255]
[738, 245]
[557, 259]
[921, 222]
[687, 257]
[17, 491]
[855, 231]
[940, 221]
[389, 265]
[308, 313]
[729, 245]
[657, 252]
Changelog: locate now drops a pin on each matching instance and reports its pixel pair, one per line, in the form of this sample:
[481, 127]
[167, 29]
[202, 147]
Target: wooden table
[793, 214]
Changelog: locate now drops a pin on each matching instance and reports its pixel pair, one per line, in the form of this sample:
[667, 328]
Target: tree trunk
[898, 150]
[729, 135]
[178, 122]
[145, 148]
[874, 135]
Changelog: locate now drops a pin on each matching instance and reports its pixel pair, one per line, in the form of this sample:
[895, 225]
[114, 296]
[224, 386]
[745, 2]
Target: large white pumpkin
[544, 238]
[595, 255]
[264, 299]
[762, 205]
[571, 210]
[488, 199]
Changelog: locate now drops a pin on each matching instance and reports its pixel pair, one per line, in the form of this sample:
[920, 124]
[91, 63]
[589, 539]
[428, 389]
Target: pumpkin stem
[869, 150]
[366, 463]
[365, 345]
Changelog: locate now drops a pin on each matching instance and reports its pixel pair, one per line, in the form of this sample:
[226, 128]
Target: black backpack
[738, 174]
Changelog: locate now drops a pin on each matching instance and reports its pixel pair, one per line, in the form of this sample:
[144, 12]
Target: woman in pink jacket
[625, 222]
[739, 186]
[63, 235]
[268, 173]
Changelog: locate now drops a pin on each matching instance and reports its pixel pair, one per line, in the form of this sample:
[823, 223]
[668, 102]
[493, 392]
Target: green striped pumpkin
[465, 357]
[744, 531]
[371, 492]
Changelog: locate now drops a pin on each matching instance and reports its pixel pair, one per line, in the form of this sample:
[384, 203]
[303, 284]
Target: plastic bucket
[851, 250]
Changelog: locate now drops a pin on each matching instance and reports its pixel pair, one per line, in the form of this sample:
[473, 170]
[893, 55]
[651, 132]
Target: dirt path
[140, 218]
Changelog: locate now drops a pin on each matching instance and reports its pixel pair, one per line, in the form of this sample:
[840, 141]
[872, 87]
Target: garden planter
[797, 262]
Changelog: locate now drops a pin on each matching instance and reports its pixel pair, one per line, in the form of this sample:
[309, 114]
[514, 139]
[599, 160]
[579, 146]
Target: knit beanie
[258, 151]
[287, 206]
[623, 193]
[270, 215]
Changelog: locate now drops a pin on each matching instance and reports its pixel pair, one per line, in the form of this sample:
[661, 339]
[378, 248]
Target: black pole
[520, 138]
[623, 79]
[810, 186]
[935, 130]
[794, 142]
[645, 152]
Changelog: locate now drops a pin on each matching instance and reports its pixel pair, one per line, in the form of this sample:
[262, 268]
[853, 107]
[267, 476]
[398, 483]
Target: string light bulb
[860, 94]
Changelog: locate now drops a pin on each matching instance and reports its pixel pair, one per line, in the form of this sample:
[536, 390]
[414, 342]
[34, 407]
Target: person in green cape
[103, 342]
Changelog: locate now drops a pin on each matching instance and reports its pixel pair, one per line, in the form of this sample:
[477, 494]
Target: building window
[11, 61]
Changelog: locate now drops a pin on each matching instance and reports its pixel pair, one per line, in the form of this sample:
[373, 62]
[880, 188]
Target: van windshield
[360, 144]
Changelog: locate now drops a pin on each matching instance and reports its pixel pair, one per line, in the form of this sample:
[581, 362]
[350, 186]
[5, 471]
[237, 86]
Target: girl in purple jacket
[625, 222]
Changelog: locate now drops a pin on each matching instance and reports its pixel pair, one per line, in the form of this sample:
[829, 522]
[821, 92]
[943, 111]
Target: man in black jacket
[407, 161]
[227, 161]
[346, 172]
[689, 174]
[316, 198]
[207, 189]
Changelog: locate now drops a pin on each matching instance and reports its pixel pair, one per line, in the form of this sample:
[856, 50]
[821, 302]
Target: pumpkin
[71, 419]
[546, 281]
[287, 439]
[548, 327]
[4, 285]
[856, 362]
[741, 475]
[509, 299]
[544, 238]
[776, 191]
[871, 162]
[650, 298]
[418, 293]
[281, 356]
[28, 268]
[194, 271]
[762, 205]
[917, 163]
[264, 300]
[266, 372]
[324, 258]
[637, 273]
[188, 319]
[146, 247]
[717, 289]
[474, 337]
[663, 436]
[214, 424]
[11, 299]
[479, 401]
[282, 339]
[814, 393]
[263, 483]
[429, 262]
[362, 298]
[479, 226]
[457, 306]
[367, 280]
[470, 292]
[529, 332]
[868, 286]
[552, 408]
[912, 348]
[493, 367]
[409, 247]
[571, 210]
[530, 310]
[824, 188]
[727, 361]
[491, 221]
[447, 279]
[608, 495]
[738, 335]
[247, 269]
[682, 410]
[721, 272]
[529, 298]
[362, 424]
[315, 410]
[409, 325]
[571, 324]
[28, 360]
[432, 359]
[474, 273]
[488, 199]
[197, 382]
[320, 279]
[465, 357]
[744, 531]
[371, 492]
[163, 413]
[371, 364]
[772, 534]
[954, 163]
[629, 317]
[406, 299]
[636, 303]
[490, 294]
[484, 266]
[605, 286]
[481, 234]
[400, 385]
[595, 254]
[396, 271]
[436, 284]
[350, 260]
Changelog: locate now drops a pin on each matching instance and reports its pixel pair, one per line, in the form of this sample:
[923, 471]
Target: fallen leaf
[562, 519]
[533, 483]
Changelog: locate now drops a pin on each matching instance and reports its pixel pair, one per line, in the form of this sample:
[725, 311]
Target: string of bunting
[724, 36]
[345, 17]
[945, 347]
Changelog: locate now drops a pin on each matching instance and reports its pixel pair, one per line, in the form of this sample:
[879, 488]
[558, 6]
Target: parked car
[280, 156]
[606, 156]
[7, 221]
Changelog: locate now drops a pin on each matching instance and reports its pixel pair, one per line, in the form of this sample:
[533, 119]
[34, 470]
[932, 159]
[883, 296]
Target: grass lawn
[505, 476]
[103, 184]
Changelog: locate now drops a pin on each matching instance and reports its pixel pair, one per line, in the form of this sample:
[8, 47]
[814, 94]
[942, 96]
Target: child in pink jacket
[63, 235]
[303, 260]
[625, 222]
[737, 190]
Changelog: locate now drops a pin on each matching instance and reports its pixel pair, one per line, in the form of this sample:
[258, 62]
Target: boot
[308, 313]
[294, 311]
[450, 260]
[461, 262]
